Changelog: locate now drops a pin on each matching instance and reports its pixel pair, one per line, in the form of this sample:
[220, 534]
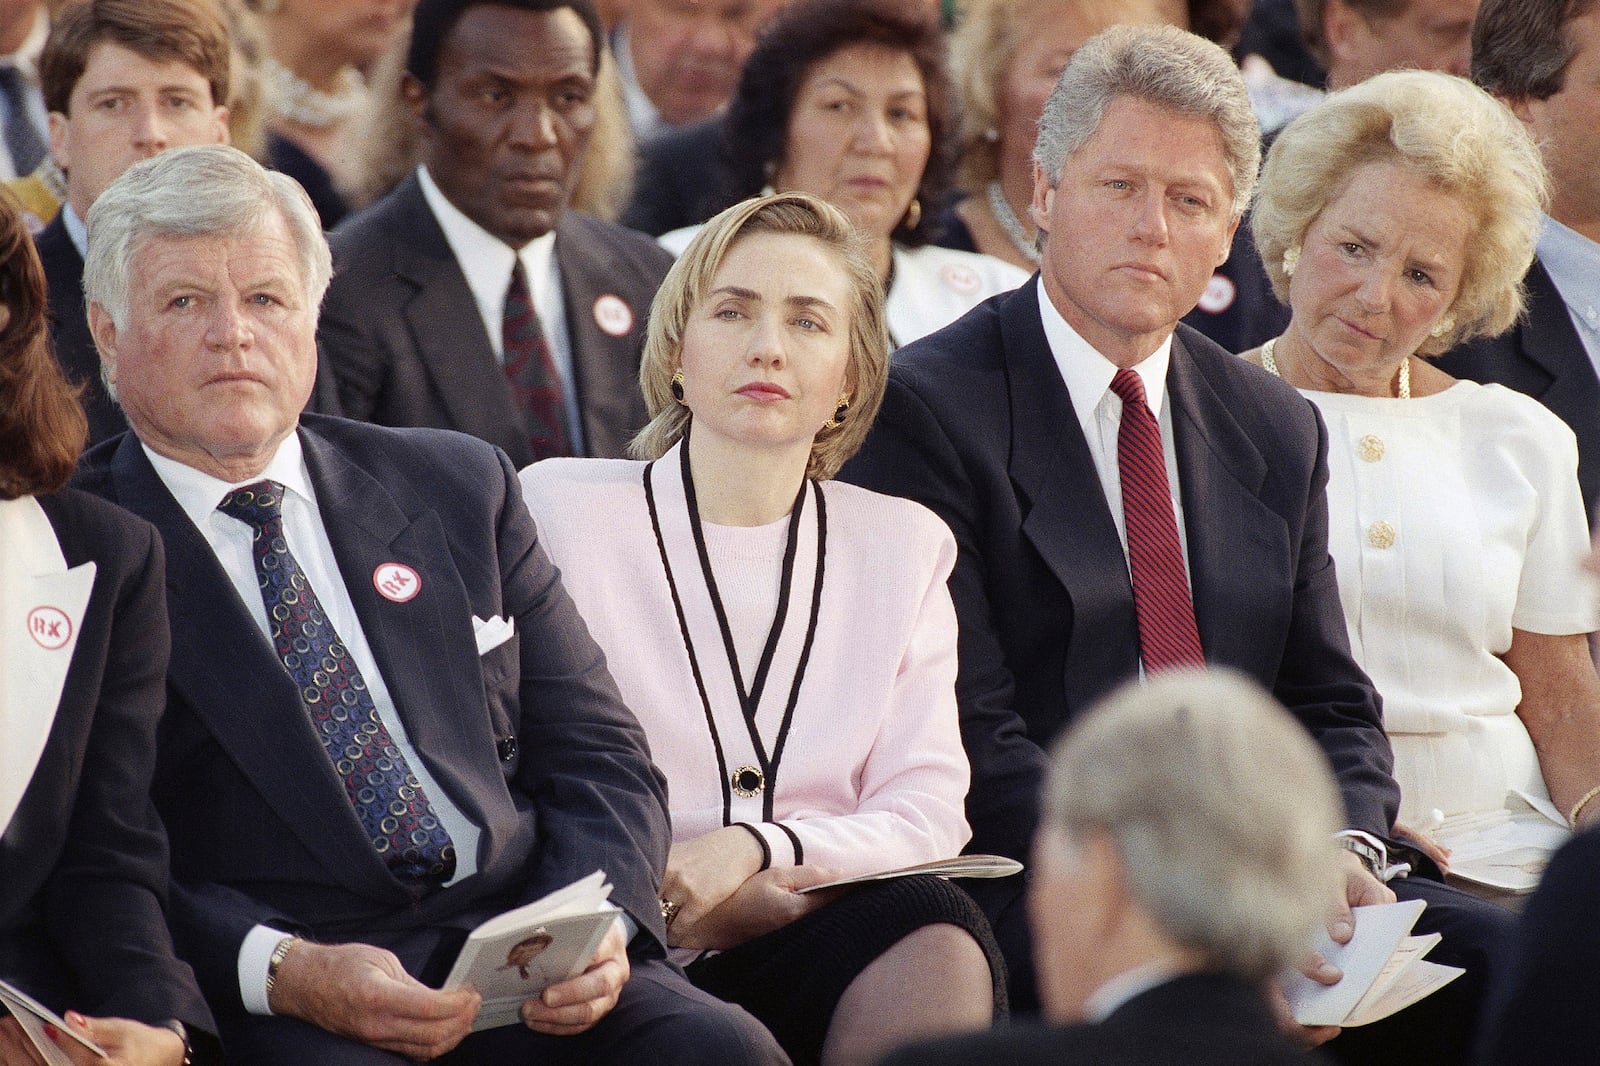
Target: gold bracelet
[1577, 808]
[279, 953]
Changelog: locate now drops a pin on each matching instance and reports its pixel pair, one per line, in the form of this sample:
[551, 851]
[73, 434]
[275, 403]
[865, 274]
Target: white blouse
[1454, 519]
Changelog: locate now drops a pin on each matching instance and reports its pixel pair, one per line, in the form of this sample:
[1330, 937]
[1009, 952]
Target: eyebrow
[792, 301]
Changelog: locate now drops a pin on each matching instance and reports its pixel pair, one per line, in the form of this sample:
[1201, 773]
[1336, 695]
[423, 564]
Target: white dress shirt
[198, 494]
[1088, 376]
[486, 262]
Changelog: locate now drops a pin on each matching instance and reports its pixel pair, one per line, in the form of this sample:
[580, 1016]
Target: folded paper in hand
[1384, 970]
[32, 1016]
[960, 866]
[513, 956]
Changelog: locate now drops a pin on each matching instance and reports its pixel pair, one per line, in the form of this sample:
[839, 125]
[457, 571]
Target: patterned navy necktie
[386, 795]
[1162, 605]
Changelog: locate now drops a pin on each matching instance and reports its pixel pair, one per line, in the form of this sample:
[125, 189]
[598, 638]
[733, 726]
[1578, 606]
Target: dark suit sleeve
[908, 453]
[1320, 681]
[104, 901]
[599, 801]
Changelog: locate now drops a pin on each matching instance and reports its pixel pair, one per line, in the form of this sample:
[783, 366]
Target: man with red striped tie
[1126, 496]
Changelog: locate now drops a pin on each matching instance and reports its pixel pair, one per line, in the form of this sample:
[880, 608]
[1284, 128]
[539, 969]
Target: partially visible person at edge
[83, 656]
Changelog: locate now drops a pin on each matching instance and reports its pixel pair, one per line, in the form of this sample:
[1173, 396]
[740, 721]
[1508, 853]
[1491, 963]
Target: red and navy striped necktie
[1168, 636]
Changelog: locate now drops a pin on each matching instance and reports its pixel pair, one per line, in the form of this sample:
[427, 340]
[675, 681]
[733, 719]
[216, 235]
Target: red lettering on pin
[49, 627]
[396, 582]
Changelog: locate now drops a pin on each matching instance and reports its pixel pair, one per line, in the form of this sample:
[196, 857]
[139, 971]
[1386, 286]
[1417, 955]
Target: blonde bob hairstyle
[866, 373]
[1450, 133]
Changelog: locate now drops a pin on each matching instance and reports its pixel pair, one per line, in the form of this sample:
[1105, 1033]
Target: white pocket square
[491, 633]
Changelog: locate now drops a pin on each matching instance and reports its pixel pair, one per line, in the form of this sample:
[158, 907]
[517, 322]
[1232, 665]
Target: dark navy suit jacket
[978, 425]
[1543, 357]
[1189, 1021]
[83, 862]
[531, 739]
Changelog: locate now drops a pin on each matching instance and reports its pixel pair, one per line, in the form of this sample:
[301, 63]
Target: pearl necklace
[291, 96]
[1000, 207]
[1270, 364]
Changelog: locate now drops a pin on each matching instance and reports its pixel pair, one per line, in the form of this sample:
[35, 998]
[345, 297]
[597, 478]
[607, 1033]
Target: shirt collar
[1113, 994]
[484, 258]
[76, 230]
[1088, 374]
[643, 115]
[26, 58]
[198, 493]
[1572, 261]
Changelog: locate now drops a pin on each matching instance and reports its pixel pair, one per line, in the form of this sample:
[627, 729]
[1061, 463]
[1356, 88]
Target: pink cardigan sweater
[873, 774]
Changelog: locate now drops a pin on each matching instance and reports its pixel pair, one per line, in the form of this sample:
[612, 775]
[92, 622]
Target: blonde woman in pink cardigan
[787, 642]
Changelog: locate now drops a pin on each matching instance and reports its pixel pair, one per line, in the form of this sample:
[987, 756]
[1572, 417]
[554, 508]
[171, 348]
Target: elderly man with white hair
[1182, 861]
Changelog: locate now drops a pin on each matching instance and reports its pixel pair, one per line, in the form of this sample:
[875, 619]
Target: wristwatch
[1372, 852]
[183, 1034]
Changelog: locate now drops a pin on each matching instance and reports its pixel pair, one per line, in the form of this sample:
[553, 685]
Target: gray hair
[1220, 806]
[1160, 65]
[189, 192]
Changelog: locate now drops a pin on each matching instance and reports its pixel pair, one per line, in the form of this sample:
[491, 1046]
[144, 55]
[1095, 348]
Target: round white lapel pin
[396, 582]
[49, 627]
[1219, 295]
[612, 315]
[961, 278]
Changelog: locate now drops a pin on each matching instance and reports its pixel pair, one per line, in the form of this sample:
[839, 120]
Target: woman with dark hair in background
[83, 657]
[849, 100]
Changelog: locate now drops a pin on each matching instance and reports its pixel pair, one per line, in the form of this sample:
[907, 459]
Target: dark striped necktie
[1168, 636]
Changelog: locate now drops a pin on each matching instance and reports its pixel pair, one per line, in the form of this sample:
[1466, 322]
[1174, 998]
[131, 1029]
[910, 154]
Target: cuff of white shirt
[630, 928]
[255, 955]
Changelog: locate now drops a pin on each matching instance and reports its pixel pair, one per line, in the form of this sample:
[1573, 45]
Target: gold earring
[1443, 326]
[676, 386]
[1291, 259]
[913, 214]
[839, 414]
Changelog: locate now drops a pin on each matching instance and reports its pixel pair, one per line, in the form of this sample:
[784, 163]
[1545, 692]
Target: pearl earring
[1291, 259]
[1443, 326]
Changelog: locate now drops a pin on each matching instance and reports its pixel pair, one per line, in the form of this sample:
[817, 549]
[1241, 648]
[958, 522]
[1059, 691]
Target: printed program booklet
[960, 866]
[514, 956]
[1384, 970]
[32, 1016]
[1506, 848]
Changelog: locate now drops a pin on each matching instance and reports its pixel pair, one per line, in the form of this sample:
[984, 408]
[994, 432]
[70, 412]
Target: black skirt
[792, 978]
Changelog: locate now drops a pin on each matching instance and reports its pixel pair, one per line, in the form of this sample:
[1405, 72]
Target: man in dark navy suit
[1087, 559]
[386, 722]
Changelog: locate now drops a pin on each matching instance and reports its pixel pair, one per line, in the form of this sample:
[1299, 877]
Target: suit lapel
[604, 365]
[1232, 538]
[442, 316]
[424, 646]
[1549, 340]
[1067, 519]
[226, 672]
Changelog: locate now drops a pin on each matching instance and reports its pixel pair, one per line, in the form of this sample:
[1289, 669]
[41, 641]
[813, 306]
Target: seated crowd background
[740, 444]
